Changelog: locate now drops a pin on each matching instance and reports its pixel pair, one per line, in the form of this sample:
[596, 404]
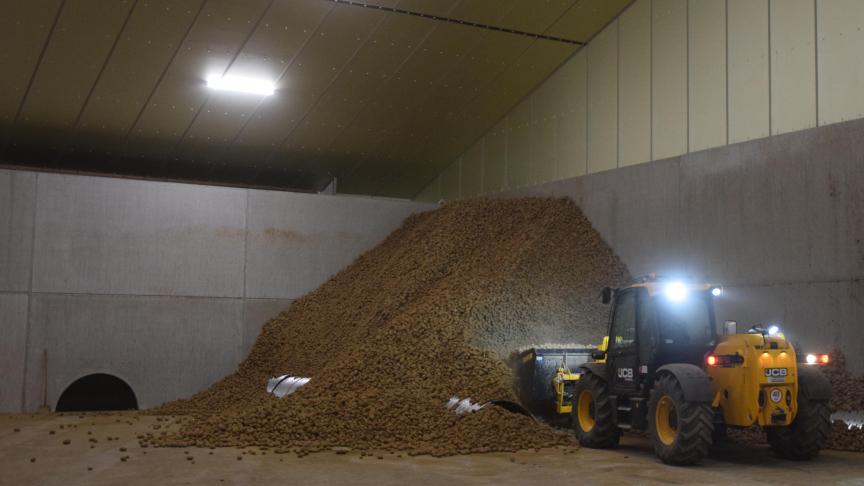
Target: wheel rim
[585, 410]
[666, 420]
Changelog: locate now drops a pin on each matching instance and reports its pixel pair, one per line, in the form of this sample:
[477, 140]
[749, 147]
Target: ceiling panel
[339, 37]
[527, 16]
[461, 130]
[280, 37]
[382, 122]
[80, 44]
[143, 51]
[586, 18]
[421, 77]
[364, 77]
[469, 80]
[214, 41]
[25, 25]
[379, 97]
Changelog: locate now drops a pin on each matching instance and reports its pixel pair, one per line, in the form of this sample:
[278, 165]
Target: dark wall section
[97, 392]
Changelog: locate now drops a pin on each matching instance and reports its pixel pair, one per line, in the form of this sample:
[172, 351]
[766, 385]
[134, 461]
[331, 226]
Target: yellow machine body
[761, 385]
[755, 380]
[563, 379]
[603, 347]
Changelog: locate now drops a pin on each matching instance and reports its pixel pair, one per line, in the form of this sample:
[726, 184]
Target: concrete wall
[670, 77]
[164, 285]
[779, 221]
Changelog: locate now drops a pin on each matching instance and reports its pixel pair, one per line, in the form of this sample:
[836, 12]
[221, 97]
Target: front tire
[592, 416]
[806, 435]
[680, 430]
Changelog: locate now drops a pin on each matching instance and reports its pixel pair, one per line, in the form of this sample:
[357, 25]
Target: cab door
[622, 353]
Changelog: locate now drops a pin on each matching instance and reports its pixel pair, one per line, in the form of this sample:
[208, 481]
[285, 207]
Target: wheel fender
[695, 383]
[597, 369]
[813, 384]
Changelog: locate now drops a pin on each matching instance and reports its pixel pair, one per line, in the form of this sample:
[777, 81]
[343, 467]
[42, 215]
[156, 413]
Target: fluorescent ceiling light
[241, 85]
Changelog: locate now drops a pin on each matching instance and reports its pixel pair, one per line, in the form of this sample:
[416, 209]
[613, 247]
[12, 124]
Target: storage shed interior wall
[712, 138]
[669, 77]
[162, 285]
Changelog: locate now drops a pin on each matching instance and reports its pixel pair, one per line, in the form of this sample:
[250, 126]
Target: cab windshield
[686, 322]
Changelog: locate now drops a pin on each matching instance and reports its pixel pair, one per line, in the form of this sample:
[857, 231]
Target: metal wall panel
[707, 73]
[669, 111]
[749, 95]
[544, 127]
[634, 91]
[450, 181]
[793, 65]
[432, 191]
[516, 82]
[720, 72]
[840, 38]
[495, 159]
[471, 176]
[519, 154]
[572, 154]
[603, 100]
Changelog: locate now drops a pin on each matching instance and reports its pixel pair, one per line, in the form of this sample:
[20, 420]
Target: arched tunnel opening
[97, 392]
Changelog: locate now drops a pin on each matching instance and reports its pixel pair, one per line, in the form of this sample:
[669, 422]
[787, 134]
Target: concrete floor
[633, 463]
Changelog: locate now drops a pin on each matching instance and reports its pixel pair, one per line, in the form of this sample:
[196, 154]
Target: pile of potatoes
[424, 316]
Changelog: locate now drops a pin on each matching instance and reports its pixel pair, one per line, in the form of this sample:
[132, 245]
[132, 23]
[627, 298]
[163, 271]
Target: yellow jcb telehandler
[667, 368]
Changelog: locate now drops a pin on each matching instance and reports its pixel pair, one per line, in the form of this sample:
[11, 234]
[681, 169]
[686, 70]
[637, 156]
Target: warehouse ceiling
[381, 95]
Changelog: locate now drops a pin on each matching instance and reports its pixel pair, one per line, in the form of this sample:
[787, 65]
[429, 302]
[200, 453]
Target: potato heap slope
[424, 316]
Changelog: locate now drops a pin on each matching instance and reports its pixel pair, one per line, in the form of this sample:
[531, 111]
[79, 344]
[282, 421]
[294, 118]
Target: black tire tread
[805, 437]
[605, 433]
[695, 425]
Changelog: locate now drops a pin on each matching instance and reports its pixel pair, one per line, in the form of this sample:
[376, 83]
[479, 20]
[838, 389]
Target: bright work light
[716, 291]
[772, 330]
[241, 85]
[676, 291]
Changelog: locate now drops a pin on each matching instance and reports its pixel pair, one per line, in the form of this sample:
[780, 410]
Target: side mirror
[598, 355]
[606, 295]
[730, 328]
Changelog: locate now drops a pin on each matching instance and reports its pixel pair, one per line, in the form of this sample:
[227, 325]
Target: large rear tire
[806, 435]
[592, 416]
[680, 430]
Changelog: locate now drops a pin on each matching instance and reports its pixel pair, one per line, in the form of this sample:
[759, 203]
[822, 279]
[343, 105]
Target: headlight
[716, 291]
[811, 359]
[772, 330]
[676, 291]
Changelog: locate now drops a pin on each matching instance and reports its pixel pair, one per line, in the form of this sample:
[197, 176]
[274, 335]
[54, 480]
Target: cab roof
[658, 286]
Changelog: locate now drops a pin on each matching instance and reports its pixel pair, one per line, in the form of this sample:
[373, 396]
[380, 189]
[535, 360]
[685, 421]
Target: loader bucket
[512, 407]
[535, 368]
